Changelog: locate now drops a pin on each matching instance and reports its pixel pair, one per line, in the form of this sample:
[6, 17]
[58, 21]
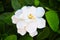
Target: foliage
[8, 31]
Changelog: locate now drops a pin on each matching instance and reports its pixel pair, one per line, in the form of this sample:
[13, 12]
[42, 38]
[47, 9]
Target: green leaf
[6, 17]
[52, 35]
[29, 2]
[11, 37]
[53, 20]
[36, 2]
[4, 35]
[26, 37]
[44, 34]
[15, 4]
[1, 7]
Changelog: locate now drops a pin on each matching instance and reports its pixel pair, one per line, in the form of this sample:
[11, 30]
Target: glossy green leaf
[53, 20]
[26, 37]
[44, 34]
[36, 2]
[11, 37]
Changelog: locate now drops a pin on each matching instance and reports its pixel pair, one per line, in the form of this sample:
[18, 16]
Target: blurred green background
[8, 31]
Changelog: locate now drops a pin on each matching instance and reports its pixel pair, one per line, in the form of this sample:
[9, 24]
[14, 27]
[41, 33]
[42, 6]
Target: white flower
[28, 19]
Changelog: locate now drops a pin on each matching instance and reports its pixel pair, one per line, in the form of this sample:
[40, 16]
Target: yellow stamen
[31, 16]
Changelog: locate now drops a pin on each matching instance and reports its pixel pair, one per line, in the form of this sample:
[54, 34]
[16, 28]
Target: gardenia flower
[28, 19]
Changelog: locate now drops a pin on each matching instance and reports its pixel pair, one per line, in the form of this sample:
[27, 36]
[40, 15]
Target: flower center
[30, 16]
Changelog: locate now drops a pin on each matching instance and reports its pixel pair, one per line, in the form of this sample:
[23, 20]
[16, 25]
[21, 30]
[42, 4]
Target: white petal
[31, 27]
[28, 9]
[39, 12]
[32, 9]
[41, 23]
[21, 27]
[21, 24]
[24, 16]
[25, 12]
[33, 34]
[18, 12]
[25, 9]
[14, 19]
[21, 31]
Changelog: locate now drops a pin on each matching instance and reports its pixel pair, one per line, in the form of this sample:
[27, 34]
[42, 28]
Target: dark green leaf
[52, 35]
[53, 20]
[4, 36]
[6, 17]
[44, 3]
[53, 4]
[58, 31]
[29, 2]
[26, 37]
[44, 34]
[15, 4]
[11, 37]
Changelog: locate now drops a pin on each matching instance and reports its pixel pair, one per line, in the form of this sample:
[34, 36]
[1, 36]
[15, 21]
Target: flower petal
[41, 23]
[28, 10]
[21, 24]
[24, 12]
[21, 31]
[21, 27]
[32, 9]
[18, 12]
[25, 9]
[39, 12]
[31, 27]
[33, 34]
[23, 16]
[14, 19]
